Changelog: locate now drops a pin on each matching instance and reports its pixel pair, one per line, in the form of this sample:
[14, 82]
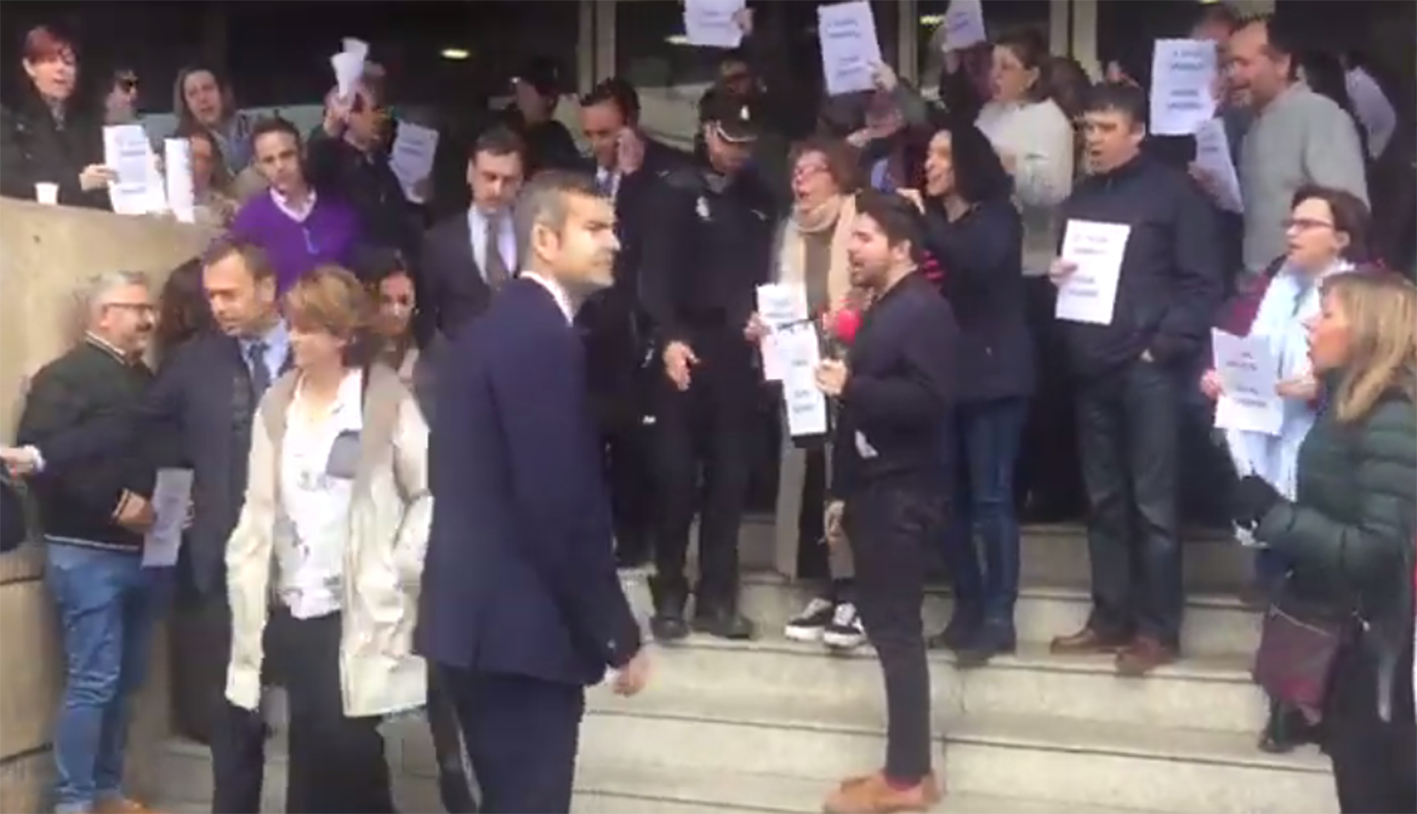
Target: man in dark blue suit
[521, 606]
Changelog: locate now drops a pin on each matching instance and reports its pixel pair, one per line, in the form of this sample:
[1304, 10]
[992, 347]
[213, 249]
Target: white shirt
[312, 531]
[563, 300]
[477, 223]
[297, 213]
[608, 180]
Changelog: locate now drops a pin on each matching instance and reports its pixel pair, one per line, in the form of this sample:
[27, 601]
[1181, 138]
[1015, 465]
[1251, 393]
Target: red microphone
[845, 325]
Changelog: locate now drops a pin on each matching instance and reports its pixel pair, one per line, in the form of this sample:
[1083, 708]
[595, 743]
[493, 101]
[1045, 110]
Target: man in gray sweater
[1298, 137]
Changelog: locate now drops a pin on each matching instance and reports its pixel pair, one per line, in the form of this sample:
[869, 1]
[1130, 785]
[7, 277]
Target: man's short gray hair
[101, 288]
[544, 200]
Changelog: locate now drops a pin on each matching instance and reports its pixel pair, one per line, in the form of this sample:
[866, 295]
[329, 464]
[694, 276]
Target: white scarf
[1291, 299]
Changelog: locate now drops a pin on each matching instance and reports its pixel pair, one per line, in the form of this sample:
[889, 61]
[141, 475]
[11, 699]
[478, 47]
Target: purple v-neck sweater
[327, 235]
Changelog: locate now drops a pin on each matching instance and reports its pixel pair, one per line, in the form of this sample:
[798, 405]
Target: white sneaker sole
[803, 634]
[839, 641]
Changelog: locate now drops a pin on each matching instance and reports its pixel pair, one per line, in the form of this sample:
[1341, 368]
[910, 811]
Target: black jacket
[34, 149]
[78, 497]
[370, 186]
[981, 255]
[900, 389]
[1172, 278]
[203, 394]
[613, 321]
[710, 249]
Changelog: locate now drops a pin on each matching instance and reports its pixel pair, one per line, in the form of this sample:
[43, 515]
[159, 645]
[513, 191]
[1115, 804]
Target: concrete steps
[769, 725]
[1057, 555]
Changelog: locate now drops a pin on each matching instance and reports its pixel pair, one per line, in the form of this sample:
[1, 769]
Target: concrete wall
[46, 254]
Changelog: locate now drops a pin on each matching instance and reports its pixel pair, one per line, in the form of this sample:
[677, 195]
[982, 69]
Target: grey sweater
[1299, 138]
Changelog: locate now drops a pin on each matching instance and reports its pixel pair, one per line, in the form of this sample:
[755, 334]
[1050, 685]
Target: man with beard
[889, 484]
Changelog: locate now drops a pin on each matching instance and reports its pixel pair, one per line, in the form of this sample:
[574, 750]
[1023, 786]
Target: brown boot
[1144, 655]
[1088, 641]
[874, 795]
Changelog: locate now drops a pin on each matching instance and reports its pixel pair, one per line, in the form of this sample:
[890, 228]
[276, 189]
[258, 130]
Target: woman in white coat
[325, 563]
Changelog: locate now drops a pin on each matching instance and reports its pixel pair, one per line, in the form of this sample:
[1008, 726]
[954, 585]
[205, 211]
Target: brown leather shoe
[1144, 655]
[874, 795]
[1088, 641]
[120, 805]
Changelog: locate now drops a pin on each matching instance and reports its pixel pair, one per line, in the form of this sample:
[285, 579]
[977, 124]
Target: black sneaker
[845, 631]
[808, 625]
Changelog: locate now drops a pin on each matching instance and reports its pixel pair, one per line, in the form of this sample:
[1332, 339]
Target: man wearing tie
[521, 606]
[467, 257]
[628, 168]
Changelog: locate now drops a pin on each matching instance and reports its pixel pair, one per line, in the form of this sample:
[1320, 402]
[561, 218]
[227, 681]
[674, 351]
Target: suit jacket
[453, 290]
[613, 321]
[520, 573]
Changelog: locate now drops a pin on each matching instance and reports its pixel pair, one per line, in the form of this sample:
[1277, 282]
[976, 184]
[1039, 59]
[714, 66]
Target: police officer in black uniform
[710, 249]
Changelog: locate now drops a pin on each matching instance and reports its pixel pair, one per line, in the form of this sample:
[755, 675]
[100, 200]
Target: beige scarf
[835, 214]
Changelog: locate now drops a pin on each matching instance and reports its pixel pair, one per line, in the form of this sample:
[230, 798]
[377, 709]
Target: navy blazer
[520, 573]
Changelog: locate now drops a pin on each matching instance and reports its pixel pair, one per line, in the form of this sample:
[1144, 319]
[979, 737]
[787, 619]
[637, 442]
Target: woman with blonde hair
[335, 526]
[1337, 643]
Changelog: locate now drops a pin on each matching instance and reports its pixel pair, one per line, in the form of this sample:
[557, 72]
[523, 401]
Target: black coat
[981, 255]
[35, 149]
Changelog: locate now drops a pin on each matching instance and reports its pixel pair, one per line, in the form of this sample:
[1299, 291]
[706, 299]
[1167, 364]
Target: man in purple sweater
[298, 228]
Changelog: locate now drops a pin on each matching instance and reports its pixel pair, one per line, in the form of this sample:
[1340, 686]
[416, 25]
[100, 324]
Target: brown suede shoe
[1144, 655]
[120, 805]
[873, 795]
[1087, 641]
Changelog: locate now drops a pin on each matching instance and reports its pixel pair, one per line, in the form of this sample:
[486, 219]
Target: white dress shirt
[563, 300]
[312, 531]
[608, 180]
[477, 224]
[297, 213]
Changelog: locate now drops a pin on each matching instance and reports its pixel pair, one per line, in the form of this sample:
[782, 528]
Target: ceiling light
[931, 20]
[455, 53]
[678, 39]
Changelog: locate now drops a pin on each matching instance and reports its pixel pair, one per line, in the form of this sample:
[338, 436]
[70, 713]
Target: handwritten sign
[711, 23]
[779, 305]
[1249, 376]
[1096, 249]
[806, 405]
[850, 50]
[1183, 76]
[963, 25]
[1214, 159]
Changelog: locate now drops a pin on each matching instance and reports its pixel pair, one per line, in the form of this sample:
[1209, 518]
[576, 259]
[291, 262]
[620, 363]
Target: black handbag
[1295, 659]
[13, 528]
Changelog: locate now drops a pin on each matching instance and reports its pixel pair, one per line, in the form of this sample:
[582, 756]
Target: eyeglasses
[1305, 224]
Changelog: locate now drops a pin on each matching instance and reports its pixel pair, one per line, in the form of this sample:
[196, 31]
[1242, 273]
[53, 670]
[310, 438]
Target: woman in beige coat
[329, 549]
[811, 252]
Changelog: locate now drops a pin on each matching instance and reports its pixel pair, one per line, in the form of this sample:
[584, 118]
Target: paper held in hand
[850, 49]
[779, 305]
[1096, 249]
[1249, 375]
[1183, 76]
[710, 23]
[806, 405]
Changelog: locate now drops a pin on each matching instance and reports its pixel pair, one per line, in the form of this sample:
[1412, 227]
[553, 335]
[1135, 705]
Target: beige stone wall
[46, 255]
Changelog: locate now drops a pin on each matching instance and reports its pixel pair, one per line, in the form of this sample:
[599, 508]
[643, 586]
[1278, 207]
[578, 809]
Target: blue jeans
[106, 612]
[987, 435]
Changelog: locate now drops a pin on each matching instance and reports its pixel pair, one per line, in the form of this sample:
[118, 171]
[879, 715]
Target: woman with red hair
[47, 138]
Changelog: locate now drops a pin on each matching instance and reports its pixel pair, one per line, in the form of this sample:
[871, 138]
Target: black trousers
[629, 472]
[522, 735]
[454, 785]
[890, 530]
[705, 431]
[337, 763]
[1048, 478]
[1127, 439]
[201, 650]
[1374, 761]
